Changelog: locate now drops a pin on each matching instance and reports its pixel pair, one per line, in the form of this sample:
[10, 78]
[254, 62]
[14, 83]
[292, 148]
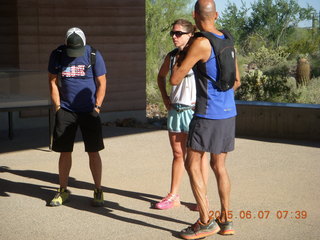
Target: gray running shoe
[226, 227]
[199, 230]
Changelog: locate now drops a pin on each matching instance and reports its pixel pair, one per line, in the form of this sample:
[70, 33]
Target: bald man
[212, 128]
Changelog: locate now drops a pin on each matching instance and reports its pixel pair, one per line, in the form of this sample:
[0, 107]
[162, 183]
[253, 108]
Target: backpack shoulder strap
[198, 34]
[227, 34]
[58, 57]
[93, 56]
[92, 59]
[217, 43]
[172, 55]
[209, 35]
[174, 52]
[58, 62]
[59, 49]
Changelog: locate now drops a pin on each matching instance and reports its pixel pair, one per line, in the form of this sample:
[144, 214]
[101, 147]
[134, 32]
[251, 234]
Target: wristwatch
[97, 106]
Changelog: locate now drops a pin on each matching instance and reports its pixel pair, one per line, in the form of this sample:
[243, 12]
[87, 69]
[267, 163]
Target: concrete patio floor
[275, 189]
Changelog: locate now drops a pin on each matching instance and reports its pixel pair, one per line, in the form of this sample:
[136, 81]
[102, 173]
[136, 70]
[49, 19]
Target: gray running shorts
[212, 135]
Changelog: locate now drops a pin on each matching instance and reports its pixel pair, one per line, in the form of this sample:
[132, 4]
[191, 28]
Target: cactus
[303, 72]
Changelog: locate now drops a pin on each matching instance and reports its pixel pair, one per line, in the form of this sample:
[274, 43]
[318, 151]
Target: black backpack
[225, 56]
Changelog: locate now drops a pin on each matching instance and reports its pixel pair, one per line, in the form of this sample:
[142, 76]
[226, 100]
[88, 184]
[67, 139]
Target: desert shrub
[265, 57]
[315, 65]
[251, 89]
[310, 93]
[273, 85]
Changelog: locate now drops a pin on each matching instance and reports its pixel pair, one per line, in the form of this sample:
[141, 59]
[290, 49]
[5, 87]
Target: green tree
[303, 41]
[272, 19]
[269, 20]
[268, 37]
[234, 20]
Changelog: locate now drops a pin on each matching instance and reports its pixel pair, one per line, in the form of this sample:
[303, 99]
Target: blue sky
[221, 4]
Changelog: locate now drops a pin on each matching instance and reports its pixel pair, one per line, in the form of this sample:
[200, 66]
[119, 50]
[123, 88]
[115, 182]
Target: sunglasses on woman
[177, 33]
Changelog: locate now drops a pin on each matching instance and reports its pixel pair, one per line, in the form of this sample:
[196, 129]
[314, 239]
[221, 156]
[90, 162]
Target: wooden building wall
[31, 29]
[9, 35]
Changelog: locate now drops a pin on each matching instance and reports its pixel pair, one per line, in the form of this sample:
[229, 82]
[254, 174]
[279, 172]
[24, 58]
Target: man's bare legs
[217, 163]
[198, 182]
[178, 144]
[65, 162]
[205, 169]
[96, 168]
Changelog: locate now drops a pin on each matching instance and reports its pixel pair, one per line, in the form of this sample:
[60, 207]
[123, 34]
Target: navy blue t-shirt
[78, 86]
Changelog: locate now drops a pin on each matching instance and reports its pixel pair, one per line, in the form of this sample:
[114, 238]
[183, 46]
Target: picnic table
[14, 103]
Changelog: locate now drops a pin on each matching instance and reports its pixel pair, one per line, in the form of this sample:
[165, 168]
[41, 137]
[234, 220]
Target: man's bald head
[205, 9]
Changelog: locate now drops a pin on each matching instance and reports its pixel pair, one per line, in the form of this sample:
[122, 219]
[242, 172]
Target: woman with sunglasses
[180, 106]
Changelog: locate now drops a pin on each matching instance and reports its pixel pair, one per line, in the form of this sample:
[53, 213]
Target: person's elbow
[237, 84]
[177, 75]
[173, 83]
[174, 80]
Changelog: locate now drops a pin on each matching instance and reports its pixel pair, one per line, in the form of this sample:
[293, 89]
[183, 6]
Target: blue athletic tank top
[212, 103]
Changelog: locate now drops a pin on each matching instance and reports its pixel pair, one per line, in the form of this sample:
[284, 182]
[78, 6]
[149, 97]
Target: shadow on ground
[82, 203]
[39, 138]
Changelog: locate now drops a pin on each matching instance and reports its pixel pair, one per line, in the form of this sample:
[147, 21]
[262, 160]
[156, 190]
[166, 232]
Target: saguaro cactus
[303, 72]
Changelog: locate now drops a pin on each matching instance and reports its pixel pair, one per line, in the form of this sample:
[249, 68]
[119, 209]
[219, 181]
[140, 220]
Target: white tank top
[185, 91]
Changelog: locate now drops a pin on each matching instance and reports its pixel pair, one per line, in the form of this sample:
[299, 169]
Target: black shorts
[66, 124]
[211, 135]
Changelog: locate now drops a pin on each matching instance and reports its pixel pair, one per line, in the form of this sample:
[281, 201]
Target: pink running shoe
[170, 201]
